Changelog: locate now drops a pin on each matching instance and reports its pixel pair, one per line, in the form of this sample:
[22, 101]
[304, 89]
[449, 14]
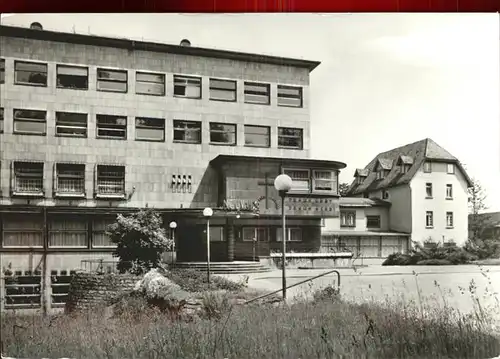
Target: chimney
[185, 42]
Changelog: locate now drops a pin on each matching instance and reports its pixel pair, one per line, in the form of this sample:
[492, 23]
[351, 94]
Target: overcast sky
[385, 79]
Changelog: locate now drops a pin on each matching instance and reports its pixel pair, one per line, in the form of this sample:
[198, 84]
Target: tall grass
[324, 328]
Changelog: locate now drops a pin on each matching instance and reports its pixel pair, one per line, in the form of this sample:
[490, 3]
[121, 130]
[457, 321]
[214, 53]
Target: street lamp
[283, 183]
[207, 212]
[173, 226]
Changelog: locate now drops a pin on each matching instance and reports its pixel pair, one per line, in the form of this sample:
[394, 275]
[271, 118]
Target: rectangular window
[257, 136]
[112, 127]
[428, 190]
[293, 234]
[2, 71]
[429, 219]
[24, 230]
[72, 77]
[149, 129]
[347, 219]
[60, 287]
[290, 138]
[324, 181]
[112, 80]
[68, 232]
[70, 180]
[405, 168]
[28, 179]
[110, 181]
[71, 124]
[450, 168]
[23, 290]
[149, 84]
[427, 167]
[449, 191]
[385, 194]
[258, 234]
[449, 219]
[257, 93]
[301, 180]
[373, 221]
[216, 234]
[1, 119]
[187, 86]
[99, 237]
[289, 96]
[30, 73]
[30, 122]
[187, 131]
[222, 90]
[223, 133]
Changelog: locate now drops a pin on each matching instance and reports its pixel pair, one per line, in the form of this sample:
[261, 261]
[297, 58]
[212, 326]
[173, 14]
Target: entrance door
[191, 244]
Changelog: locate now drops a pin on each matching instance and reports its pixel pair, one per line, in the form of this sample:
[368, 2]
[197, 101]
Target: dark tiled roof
[419, 151]
[361, 172]
[407, 160]
[362, 202]
[385, 163]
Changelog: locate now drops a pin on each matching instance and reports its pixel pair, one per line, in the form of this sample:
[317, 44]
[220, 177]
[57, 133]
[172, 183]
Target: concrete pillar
[230, 240]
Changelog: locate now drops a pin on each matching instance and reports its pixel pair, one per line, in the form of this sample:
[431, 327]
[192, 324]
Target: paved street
[377, 283]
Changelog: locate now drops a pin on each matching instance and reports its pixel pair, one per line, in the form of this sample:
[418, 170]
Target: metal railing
[296, 284]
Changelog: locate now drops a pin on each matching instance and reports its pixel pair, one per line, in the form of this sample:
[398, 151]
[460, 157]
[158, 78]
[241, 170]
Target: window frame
[449, 188]
[68, 218]
[427, 167]
[246, 92]
[21, 83]
[429, 191]
[81, 177]
[164, 92]
[38, 231]
[187, 79]
[452, 166]
[108, 195]
[185, 130]
[385, 194]
[116, 117]
[15, 178]
[290, 87]
[279, 232]
[2, 123]
[258, 134]
[99, 231]
[58, 66]
[332, 180]
[344, 215]
[67, 124]
[28, 120]
[213, 228]
[301, 147]
[376, 217]
[256, 230]
[287, 170]
[218, 131]
[429, 215]
[149, 127]
[2, 71]
[449, 220]
[212, 87]
[104, 80]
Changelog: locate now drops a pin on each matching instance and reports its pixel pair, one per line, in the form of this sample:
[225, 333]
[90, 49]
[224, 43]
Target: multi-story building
[95, 126]
[418, 190]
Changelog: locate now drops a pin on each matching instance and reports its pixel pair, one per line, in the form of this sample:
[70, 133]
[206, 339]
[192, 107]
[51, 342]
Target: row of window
[69, 180]
[71, 232]
[450, 167]
[429, 219]
[404, 167]
[69, 124]
[149, 83]
[429, 191]
[305, 180]
[348, 219]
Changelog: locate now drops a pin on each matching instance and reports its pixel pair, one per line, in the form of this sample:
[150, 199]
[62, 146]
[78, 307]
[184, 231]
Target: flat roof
[220, 159]
[129, 44]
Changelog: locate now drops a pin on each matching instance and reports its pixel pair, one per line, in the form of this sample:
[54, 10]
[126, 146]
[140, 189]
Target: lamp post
[207, 212]
[283, 183]
[173, 226]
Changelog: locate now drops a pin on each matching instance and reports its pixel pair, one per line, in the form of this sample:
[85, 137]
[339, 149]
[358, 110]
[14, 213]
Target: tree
[343, 188]
[477, 203]
[140, 241]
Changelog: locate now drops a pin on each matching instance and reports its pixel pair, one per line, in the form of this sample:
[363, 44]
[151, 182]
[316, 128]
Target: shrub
[483, 249]
[328, 293]
[400, 259]
[196, 281]
[434, 262]
[140, 241]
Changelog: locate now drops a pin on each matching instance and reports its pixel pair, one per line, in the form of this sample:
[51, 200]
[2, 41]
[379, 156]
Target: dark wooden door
[191, 244]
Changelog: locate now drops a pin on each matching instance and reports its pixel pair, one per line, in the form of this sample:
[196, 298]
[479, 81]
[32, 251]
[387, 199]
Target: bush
[400, 259]
[327, 294]
[434, 262]
[196, 281]
[483, 249]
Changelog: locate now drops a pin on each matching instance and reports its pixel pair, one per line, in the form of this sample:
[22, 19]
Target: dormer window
[404, 168]
[360, 179]
[381, 174]
[405, 163]
[360, 175]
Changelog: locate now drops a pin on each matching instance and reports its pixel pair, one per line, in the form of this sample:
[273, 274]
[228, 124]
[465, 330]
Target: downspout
[45, 290]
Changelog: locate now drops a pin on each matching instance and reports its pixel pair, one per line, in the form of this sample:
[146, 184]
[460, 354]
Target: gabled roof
[361, 172]
[407, 160]
[419, 152]
[384, 163]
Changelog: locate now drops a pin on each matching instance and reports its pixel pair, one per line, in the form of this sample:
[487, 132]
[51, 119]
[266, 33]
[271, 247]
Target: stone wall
[88, 290]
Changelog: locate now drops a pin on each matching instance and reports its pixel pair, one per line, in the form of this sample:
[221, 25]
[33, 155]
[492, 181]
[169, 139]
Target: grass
[328, 327]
